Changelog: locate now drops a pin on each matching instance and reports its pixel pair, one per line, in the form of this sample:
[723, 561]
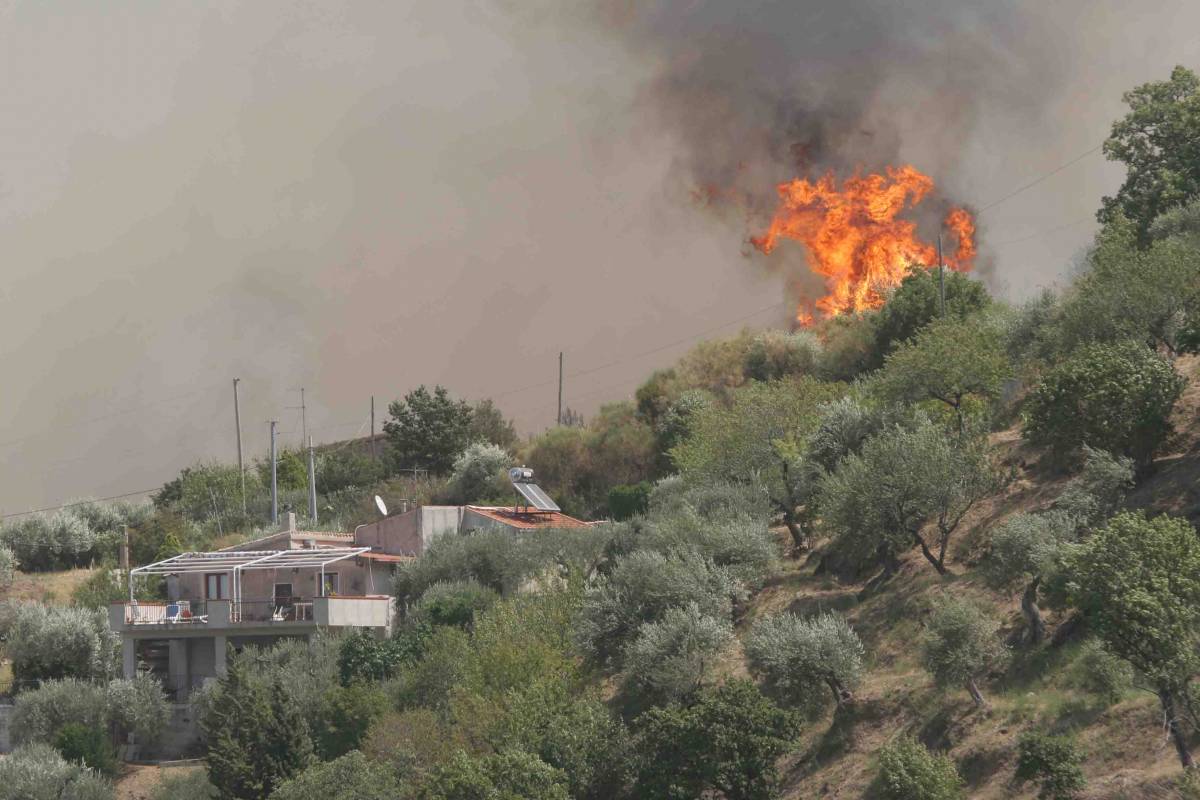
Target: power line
[1046, 232]
[1033, 183]
[78, 503]
[644, 353]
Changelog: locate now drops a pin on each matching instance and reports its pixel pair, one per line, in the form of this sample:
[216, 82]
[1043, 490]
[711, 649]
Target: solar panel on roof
[536, 497]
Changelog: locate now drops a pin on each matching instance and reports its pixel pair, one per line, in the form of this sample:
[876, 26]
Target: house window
[216, 585]
[331, 584]
[283, 593]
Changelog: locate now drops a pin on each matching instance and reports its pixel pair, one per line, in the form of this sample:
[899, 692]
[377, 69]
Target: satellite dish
[380, 505]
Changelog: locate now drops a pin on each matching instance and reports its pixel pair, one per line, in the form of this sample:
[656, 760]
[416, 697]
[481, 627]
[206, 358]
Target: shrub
[347, 715]
[961, 645]
[774, 354]
[806, 660]
[453, 603]
[1113, 397]
[8, 566]
[727, 741]
[1103, 674]
[50, 542]
[51, 642]
[908, 771]
[735, 541]
[916, 302]
[363, 657]
[480, 473]
[668, 659]
[1052, 762]
[138, 706]
[628, 501]
[346, 468]
[493, 558]
[104, 586]
[90, 746]
[190, 785]
[39, 714]
[504, 775]
[348, 777]
[1098, 491]
[38, 772]
[413, 742]
[643, 586]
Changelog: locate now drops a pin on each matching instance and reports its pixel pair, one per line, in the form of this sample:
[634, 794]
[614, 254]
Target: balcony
[192, 618]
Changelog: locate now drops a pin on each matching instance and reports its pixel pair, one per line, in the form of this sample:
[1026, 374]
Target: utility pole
[560, 379]
[303, 419]
[237, 417]
[312, 485]
[941, 276]
[274, 479]
[373, 456]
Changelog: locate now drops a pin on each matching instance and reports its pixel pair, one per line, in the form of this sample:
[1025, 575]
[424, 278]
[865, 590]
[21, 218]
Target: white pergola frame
[236, 562]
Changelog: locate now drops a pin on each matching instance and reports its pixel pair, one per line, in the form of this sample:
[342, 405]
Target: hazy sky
[361, 197]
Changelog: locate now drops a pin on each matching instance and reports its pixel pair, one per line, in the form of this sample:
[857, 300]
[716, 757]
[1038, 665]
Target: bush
[668, 659]
[58, 541]
[908, 771]
[38, 772]
[347, 715]
[191, 785]
[961, 645]
[735, 541]
[916, 302]
[346, 468]
[775, 354]
[727, 741]
[806, 661]
[628, 501]
[643, 586]
[493, 558]
[8, 566]
[50, 642]
[1112, 397]
[504, 775]
[480, 473]
[136, 706]
[103, 586]
[90, 746]
[362, 657]
[348, 777]
[1103, 674]
[1099, 490]
[1052, 762]
[453, 603]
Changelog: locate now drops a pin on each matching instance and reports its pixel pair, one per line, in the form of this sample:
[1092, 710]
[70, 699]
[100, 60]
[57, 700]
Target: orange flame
[855, 238]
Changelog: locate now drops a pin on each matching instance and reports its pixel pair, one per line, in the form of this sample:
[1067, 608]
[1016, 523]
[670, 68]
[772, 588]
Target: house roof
[520, 518]
[292, 537]
[226, 560]
[387, 557]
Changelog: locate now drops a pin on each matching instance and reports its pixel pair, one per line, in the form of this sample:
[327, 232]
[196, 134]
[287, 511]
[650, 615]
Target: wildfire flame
[855, 238]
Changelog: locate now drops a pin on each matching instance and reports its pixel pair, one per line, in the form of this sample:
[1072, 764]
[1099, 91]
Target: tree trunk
[1167, 698]
[1067, 630]
[938, 563]
[975, 693]
[841, 695]
[1033, 614]
[799, 540]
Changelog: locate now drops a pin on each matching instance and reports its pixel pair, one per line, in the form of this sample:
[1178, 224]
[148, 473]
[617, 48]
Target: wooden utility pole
[312, 485]
[274, 479]
[373, 455]
[303, 419]
[560, 381]
[941, 277]
[237, 418]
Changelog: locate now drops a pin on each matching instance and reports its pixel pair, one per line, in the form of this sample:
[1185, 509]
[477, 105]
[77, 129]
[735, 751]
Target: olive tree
[1116, 397]
[47, 642]
[961, 645]
[760, 437]
[480, 473]
[38, 772]
[668, 660]
[1026, 548]
[806, 660]
[1137, 581]
[952, 362]
[880, 500]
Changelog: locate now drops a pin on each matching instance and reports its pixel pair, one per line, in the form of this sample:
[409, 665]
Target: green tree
[1051, 761]
[80, 744]
[806, 660]
[880, 500]
[348, 777]
[480, 473]
[257, 739]
[427, 430]
[669, 659]
[347, 715]
[727, 741]
[761, 436]
[454, 603]
[38, 772]
[1026, 549]
[490, 426]
[1112, 397]
[950, 361]
[47, 642]
[908, 771]
[505, 776]
[960, 645]
[917, 301]
[774, 354]
[1137, 581]
[1159, 143]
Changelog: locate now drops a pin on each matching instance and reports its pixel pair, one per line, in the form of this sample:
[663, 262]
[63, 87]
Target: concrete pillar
[128, 657]
[219, 655]
[177, 665]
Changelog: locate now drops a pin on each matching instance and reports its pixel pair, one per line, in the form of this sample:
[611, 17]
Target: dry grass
[137, 781]
[52, 588]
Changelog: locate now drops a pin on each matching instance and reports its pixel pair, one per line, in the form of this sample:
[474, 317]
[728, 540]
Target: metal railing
[179, 612]
[278, 610]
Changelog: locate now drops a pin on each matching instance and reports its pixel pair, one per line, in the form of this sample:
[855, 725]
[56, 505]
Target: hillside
[1124, 756]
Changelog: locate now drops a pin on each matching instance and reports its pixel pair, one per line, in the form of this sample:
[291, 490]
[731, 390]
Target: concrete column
[219, 655]
[177, 665]
[128, 657]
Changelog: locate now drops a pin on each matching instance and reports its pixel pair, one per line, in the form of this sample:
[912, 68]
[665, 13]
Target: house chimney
[290, 522]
